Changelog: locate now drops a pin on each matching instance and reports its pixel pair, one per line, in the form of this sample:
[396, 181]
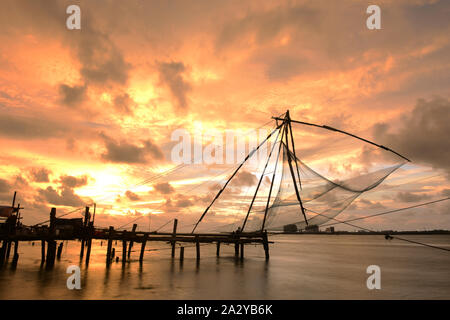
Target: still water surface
[300, 267]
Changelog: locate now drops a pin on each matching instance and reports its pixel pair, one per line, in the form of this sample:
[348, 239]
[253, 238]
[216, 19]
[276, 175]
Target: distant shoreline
[390, 232]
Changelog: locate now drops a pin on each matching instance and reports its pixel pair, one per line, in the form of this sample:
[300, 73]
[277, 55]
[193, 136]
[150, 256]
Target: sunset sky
[87, 115]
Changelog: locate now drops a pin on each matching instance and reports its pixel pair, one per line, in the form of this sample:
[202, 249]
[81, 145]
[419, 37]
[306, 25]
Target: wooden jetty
[60, 230]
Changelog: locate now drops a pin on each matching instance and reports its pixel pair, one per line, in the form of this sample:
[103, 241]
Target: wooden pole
[266, 245]
[144, 242]
[42, 251]
[236, 249]
[89, 242]
[60, 247]
[242, 251]
[174, 234]
[51, 243]
[16, 254]
[124, 248]
[85, 225]
[181, 254]
[108, 250]
[133, 230]
[3, 252]
[197, 246]
[218, 249]
[8, 250]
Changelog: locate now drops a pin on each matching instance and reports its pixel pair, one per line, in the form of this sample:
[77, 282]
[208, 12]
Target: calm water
[300, 267]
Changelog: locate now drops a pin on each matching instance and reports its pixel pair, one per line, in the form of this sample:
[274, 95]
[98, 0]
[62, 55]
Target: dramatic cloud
[422, 135]
[39, 174]
[73, 182]
[164, 188]
[171, 75]
[124, 152]
[132, 196]
[72, 96]
[66, 197]
[28, 127]
[244, 178]
[411, 197]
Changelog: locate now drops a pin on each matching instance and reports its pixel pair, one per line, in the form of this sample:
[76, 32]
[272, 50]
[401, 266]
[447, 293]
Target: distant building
[330, 230]
[312, 228]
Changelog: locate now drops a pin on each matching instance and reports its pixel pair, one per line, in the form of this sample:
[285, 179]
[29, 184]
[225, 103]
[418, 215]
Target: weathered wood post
[16, 254]
[197, 246]
[58, 253]
[174, 234]
[144, 242]
[83, 236]
[3, 252]
[236, 249]
[108, 250]
[42, 251]
[113, 253]
[266, 245]
[51, 243]
[242, 251]
[124, 248]
[133, 230]
[218, 249]
[89, 241]
[8, 250]
[181, 254]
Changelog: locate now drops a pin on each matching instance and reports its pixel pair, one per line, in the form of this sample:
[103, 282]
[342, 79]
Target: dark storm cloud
[171, 75]
[164, 188]
[72, 96]
[39, 174]
[125, 152]
[27, 127]
[411, 197]
[132, 196]
[423, 135]
[66, 197]
[123, 103]
[73, 182]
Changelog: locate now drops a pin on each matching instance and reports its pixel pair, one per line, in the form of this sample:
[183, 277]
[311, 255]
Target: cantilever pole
[293, 177]
[232, 176]
[260, 180]
[273, 178]
[347, 133]
[293, 149]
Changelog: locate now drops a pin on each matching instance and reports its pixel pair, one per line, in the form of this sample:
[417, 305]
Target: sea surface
[300, 267]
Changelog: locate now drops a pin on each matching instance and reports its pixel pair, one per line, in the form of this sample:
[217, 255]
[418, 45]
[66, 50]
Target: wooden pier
[52, 237]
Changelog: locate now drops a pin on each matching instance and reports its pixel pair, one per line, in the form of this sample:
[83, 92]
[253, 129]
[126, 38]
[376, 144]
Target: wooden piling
[85, 226]
[15, 255]
[58, 253]
[89, 241]
[8, 250]
[242, 251]
[174, 234]
[144, 242]
[181, 254]
[236, 249]
[42, 251]
[133, 230]
[51, 243]
[108, 250]
[51, 253]
[124, 248]
[218, 249]
[197, 246]
[266, 245]
[113, 253]
[3, 252]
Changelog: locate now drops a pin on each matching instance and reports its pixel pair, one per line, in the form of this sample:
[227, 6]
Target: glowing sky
[87, 115]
